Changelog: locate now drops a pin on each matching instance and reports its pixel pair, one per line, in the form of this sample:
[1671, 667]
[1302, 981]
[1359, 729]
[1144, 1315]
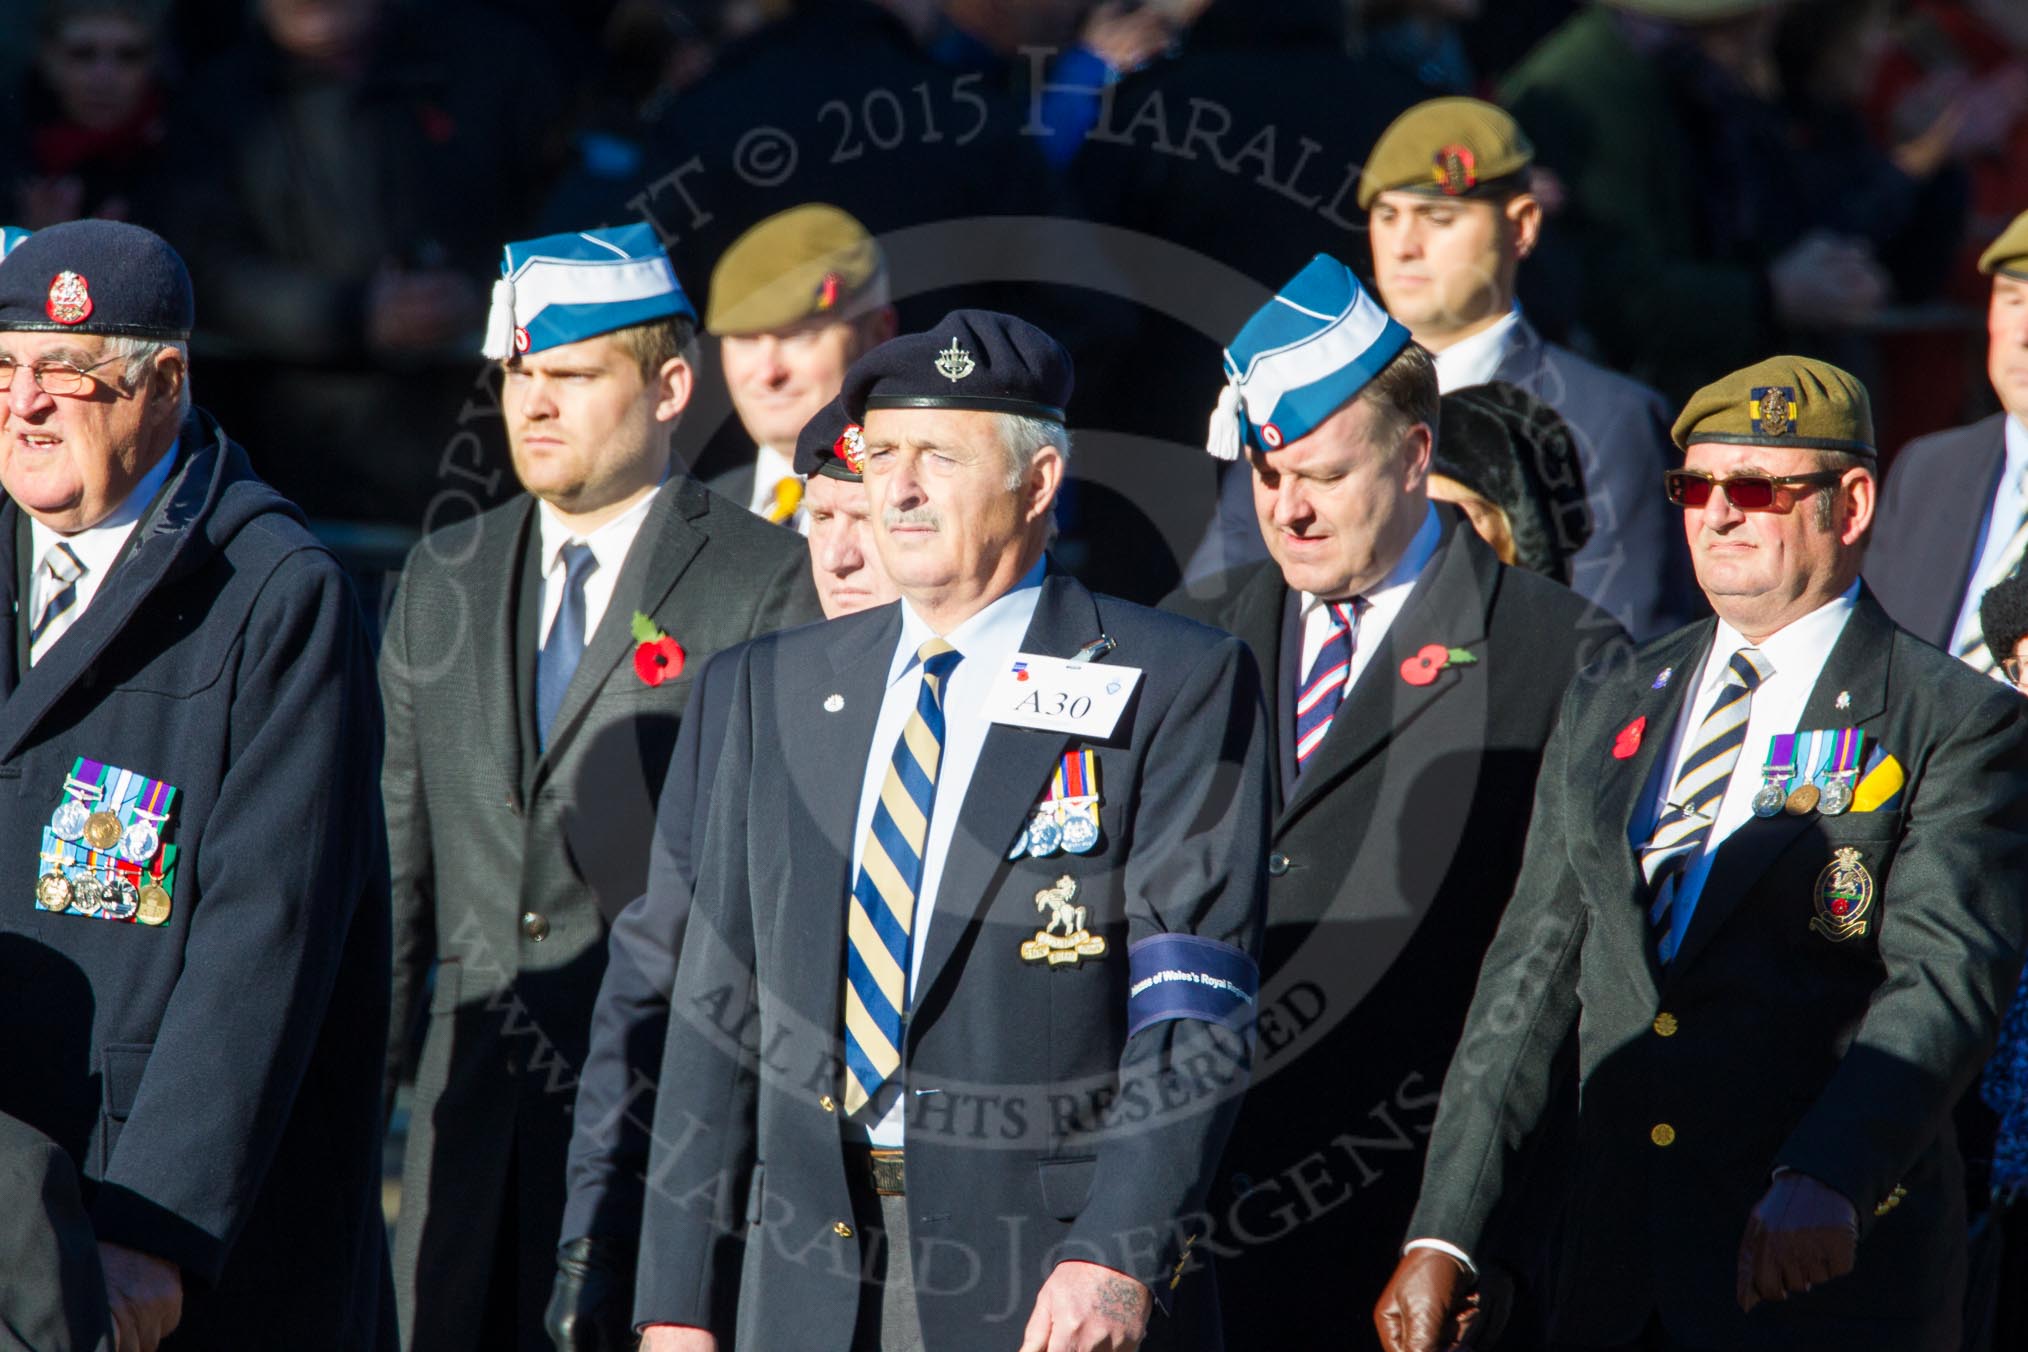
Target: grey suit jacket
[509, 864]
[1925, 543]
[1636, 565]
[54, 1296]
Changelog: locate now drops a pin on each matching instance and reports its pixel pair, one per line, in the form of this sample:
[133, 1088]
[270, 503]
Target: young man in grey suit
[1954, 513]
[1773, 885]
[535, 669]
[964, 987]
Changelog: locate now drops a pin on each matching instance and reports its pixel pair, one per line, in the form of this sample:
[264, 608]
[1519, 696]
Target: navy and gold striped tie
[881, 914]
[1686, 820]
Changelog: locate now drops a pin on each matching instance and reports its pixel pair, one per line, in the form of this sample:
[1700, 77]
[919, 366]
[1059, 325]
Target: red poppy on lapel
[1432, 658]
[657, 657]
[1629, 739]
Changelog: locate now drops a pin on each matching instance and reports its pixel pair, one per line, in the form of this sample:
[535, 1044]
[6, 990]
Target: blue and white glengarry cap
[10, 235]
[565, 288]
[1300, 358]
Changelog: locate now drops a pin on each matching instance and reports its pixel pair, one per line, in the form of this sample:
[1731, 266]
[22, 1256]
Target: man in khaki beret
[1450, 218]
[793, 302]
[1772, 884]
[1955, 519]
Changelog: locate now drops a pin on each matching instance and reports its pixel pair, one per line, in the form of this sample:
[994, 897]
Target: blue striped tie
[1323, 689]
[1685, 823]
[881, 915]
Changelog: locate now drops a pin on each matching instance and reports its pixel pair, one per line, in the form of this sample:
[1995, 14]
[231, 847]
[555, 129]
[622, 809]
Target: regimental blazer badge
[1843, 897]
[1064, 938]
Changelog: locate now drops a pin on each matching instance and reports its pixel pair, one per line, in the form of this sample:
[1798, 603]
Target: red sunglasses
[1748, 492]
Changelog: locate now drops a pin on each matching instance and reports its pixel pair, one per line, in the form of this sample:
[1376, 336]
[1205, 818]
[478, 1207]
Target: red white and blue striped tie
[1324, 688]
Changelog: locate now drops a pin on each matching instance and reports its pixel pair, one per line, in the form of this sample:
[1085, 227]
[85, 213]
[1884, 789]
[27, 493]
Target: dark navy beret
[970, 359]
[96, 277]
[830, 444]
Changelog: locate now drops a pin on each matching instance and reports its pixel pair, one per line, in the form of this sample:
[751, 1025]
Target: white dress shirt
[2003, 514]
[96, 548]
[1383, 603]
[987, 643]
[1473, 360]
[770, 468]
[1797, 653]
[609, 545]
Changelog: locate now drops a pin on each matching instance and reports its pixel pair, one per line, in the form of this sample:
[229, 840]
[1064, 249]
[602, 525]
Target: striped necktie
[60, 570]
[1323, 690]
[1973, 651]
[1692, 806]
[880, 917]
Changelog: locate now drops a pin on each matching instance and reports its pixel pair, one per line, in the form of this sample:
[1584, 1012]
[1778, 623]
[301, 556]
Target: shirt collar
[96, 546]
[1801, 645]
[1000, 626]
[609, 543]
[1474, 360]
[2017, 451]
[1402, 576]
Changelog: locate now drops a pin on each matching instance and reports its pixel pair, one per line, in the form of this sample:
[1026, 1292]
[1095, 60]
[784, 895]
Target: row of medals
[1776, 797]
[1078, 833]
[86, 893]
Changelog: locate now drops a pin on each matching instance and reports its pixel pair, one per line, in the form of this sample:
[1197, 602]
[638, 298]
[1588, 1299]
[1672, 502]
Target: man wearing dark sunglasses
[1773, 884]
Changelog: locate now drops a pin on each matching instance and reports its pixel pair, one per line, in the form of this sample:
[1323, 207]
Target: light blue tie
[558, 660]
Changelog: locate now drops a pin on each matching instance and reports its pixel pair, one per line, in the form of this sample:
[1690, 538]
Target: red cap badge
[1629, 739]
[70, 299]
[851, 448]
[828, 289]
[1456, 170]
[520, 339]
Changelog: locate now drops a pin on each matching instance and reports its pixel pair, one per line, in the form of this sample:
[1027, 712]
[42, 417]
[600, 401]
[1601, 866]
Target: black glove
[591, 1306]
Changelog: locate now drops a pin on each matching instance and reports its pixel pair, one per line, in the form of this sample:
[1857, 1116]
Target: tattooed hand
[1087, 1308]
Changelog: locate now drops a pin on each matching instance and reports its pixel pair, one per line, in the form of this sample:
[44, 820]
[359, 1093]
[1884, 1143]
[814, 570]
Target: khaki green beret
[1692, 11]
[1784, 401]
[1451, 147]
[2008, 253]
[807, 262]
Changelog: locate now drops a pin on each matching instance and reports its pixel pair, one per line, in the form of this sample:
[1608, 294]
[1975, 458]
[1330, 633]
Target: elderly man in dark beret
[197, 934]
[985, 1021]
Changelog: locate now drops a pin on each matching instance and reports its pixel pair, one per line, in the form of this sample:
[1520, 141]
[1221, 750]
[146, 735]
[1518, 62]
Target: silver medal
[87, 894]
[1768, 801]
[1044, 836]
[121, 899]
[1837, 796]
[139, 842]
[1080, 832]
[69, 822]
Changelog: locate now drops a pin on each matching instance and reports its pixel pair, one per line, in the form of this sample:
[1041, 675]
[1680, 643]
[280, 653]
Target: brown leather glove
[1802, 1233]
[1427, 1305]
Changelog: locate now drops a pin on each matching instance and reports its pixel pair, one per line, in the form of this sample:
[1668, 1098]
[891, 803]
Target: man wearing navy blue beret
[955, 1068]
[195, 916]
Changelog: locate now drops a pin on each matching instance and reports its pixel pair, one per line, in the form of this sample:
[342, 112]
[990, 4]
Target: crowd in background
[1817, 175]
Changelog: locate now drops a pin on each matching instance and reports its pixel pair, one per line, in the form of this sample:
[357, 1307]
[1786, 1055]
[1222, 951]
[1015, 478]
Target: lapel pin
[1844, 700]
[1629, 739]
[833, 703]
[1662, 679]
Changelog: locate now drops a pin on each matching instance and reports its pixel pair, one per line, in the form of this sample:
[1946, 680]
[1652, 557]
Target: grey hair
[138, 354]
[1024, 437]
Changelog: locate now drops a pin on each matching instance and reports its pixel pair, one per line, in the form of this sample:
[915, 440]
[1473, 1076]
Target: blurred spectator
[1906, 201]
[1701, 252]
[340, 189]
[93, 111]
[1424, 38]
[1958, 69]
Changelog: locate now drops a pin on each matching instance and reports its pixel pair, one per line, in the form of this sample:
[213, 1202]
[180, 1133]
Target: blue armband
[1183, 976]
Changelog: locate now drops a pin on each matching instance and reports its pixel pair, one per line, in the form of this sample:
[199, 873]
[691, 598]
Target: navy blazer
[1926, 543]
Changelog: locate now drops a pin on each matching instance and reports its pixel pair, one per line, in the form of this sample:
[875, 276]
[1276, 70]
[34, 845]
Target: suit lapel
[1955, 517]
[1522, 363]
[510, 592]
[1857, 666]
[1014, 765]
[1447, 606]
[668, 540]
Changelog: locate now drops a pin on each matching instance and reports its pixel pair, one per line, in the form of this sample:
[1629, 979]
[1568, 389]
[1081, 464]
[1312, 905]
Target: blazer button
[1665, 1025]
[841, 1229]
[828, 1104]
[1663, 1135]
[1278, 864]
[534, 926]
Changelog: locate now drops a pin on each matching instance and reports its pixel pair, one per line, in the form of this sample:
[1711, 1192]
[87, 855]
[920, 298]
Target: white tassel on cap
[1225, 437]
[500, 323]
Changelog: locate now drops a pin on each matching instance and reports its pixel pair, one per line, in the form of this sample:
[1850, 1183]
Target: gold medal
[1802, 801]
[52, 891]
[154, 907]
[102, 831]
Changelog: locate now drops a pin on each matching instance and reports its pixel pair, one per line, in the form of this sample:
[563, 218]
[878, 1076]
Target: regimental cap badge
[1772, 410]
[828, 290]
[1456, 170]
[70, 299]
[851, 447]
[954, 363]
